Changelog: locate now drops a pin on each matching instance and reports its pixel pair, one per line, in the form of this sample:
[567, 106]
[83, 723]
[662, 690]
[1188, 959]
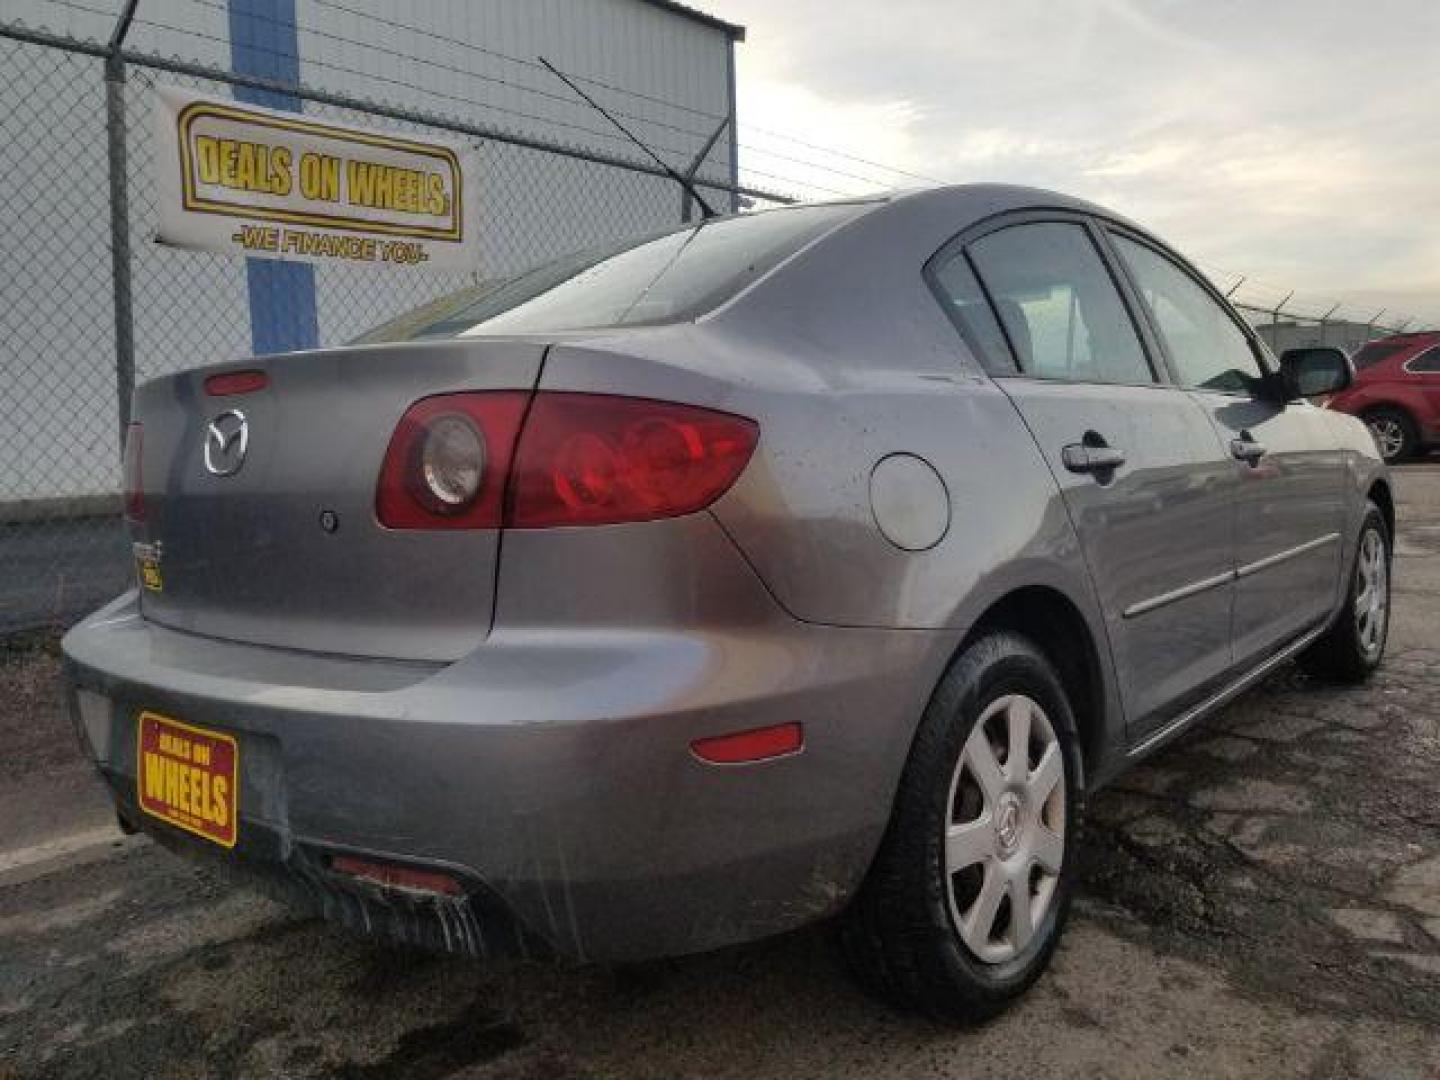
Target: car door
[1289, 502]
[1423, 372]
[1142, 475]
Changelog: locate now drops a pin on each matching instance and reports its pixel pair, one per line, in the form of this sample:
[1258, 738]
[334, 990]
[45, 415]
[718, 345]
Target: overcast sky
[1296, 141]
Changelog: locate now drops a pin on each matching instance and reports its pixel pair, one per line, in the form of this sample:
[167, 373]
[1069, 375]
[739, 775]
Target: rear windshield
[674, 276]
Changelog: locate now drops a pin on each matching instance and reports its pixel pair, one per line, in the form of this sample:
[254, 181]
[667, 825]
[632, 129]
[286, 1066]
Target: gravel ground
[31, 736]
[1262, 899]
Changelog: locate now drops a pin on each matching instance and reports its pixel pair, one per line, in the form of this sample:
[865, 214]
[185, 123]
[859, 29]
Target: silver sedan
[812, 562]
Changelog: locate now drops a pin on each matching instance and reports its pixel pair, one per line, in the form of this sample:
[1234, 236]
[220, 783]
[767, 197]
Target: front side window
[1209, 350]
[1059, 306]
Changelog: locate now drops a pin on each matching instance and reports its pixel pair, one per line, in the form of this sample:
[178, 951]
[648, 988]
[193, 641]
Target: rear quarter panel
[845, 357]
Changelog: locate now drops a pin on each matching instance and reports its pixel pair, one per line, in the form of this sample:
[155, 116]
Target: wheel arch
[1388, 403]
[1380, 494]
[1046, 616]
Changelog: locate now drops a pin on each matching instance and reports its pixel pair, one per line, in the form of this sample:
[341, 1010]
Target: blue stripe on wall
[263, 42]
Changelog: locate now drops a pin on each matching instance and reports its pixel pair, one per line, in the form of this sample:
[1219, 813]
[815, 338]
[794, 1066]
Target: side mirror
[1314, 370]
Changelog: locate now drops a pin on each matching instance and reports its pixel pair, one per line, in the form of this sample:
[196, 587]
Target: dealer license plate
[189, 777]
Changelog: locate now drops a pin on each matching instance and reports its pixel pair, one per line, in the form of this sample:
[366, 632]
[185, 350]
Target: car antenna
[685, 183]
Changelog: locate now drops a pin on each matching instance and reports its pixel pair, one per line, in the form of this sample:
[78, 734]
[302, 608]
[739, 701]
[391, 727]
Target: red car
[1397, 392]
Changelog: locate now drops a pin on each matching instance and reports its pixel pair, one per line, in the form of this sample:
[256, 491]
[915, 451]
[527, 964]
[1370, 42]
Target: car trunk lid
[285, 549]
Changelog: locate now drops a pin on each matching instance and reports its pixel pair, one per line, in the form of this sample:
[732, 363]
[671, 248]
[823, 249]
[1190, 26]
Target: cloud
[1289, 141]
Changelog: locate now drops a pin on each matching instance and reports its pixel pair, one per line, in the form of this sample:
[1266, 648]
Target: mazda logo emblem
[226, 441]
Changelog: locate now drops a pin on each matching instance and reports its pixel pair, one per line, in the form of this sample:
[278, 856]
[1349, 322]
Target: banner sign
[247, 180]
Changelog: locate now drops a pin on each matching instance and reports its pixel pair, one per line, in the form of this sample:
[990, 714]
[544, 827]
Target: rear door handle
[1247, 449]
[1083, 458]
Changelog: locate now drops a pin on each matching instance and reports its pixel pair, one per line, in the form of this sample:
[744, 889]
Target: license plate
[189, 777]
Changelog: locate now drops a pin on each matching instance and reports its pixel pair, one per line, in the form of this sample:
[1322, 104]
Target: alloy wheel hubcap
[1008, 824]
[1388, 437]
[1005, 830]
[1372, 593]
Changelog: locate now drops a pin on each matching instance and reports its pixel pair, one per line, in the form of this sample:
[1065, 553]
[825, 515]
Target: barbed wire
[565, 101]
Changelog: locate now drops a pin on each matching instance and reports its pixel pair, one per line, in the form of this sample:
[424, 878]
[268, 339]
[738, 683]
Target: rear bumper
[549, 770]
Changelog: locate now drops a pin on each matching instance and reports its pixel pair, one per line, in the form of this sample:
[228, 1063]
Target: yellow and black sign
[147, 566]
[271, 184]
[188, 776]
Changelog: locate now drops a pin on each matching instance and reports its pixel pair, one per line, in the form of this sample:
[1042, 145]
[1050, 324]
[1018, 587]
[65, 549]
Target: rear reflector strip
[396, 877]
[230, 383]
[133, 480]
[757, 744]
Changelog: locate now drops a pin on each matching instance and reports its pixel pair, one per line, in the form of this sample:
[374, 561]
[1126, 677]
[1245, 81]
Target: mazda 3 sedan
[813, 562]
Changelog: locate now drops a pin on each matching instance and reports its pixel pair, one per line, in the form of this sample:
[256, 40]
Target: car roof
[1415, 337]
[849, 293]
[880, 249]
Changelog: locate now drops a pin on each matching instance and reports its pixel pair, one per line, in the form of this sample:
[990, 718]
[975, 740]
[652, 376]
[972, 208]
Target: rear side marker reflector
[758, 744]
[394, 876]
[230, 383]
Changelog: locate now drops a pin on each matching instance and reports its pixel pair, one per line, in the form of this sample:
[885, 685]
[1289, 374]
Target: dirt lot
[1262, 899]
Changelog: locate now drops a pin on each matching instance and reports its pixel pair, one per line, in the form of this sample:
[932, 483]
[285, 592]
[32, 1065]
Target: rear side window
[1060, 309]
[959, 291]
[1427, 363]
[1209, 349]
[674, 276]
[1377, 352]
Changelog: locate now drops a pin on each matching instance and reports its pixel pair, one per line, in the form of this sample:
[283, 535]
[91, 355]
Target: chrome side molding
[1284, 556]
[1197, 587]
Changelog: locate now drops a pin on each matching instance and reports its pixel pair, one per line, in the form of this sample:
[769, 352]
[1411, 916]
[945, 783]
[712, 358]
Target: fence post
[1370, 326]
[1325, 322]
[115, 141]
[694, 167]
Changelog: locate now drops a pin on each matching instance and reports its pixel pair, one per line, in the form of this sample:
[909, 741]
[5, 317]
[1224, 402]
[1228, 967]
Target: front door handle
[1084, 458]
[1247, 449]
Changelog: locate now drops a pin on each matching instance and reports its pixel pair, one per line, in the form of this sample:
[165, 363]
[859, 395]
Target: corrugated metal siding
[677, 61]
[479, 59]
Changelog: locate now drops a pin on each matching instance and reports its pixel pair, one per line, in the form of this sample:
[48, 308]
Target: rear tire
[1394, 432]
[986, 819]
[1353, 647]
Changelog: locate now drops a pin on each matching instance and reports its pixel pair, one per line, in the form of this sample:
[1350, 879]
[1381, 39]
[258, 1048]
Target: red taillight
[133, 479]
[229, 383]
[581, 459]
[593, 459]
[448, 462]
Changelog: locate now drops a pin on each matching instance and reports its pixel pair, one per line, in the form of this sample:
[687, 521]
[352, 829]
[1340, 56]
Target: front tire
[1353, 647]
[967, 897]
[1394, 434]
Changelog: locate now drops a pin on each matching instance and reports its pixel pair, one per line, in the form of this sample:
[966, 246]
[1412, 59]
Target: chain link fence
[83, 324]
[1288, 320]
[92, 304]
